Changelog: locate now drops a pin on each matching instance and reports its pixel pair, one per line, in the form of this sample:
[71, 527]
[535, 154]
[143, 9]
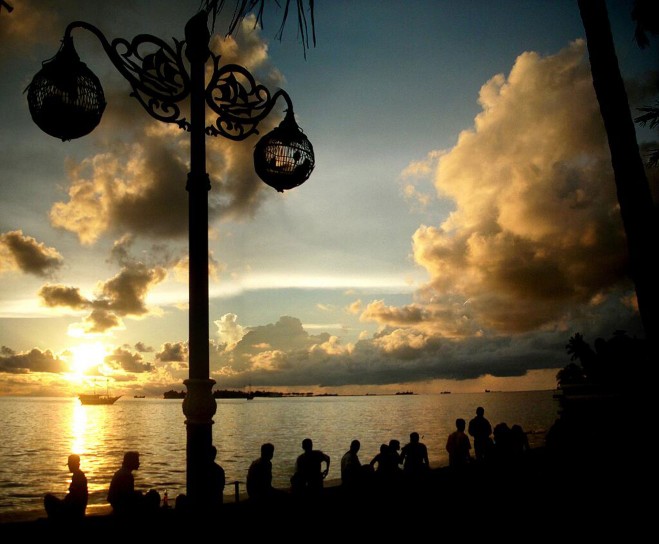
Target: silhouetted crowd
[392, 470]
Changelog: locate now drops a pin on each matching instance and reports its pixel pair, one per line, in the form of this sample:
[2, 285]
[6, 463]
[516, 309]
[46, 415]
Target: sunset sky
[460, 226]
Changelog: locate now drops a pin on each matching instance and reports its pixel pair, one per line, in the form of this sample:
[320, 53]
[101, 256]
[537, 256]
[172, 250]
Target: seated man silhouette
[125, 500]
[74, 504]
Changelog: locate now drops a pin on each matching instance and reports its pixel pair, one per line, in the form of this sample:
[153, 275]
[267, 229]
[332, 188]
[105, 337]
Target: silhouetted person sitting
[480, 429]
[351, 467]
[394, 451]
[414, 457]
[125, 500]
[259, 477]
[74, 504]
[309, 475]
[217, 482]
[458, 445]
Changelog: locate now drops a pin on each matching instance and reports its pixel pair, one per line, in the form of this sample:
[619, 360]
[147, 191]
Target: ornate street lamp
[66, 101]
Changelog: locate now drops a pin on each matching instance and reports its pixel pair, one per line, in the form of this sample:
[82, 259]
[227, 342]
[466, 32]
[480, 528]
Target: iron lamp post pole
[199, 405]
[66, 100]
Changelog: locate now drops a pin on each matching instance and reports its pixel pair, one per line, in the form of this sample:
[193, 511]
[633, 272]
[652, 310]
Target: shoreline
[538, 491]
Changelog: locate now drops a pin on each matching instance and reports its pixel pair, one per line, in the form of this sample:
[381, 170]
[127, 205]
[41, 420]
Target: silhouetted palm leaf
[242, 8]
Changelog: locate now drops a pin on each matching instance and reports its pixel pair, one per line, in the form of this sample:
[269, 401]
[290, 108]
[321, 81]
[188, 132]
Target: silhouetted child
[458, 445]
[74, 504]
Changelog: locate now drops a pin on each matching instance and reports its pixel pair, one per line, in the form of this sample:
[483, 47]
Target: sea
[37, 435]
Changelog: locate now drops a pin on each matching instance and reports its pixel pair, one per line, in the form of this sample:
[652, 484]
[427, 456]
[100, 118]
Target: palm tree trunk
[636, 206]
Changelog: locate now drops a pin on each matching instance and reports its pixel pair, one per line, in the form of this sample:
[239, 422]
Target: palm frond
[242, 8]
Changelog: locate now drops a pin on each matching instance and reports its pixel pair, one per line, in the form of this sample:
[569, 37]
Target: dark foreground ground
[545, 496]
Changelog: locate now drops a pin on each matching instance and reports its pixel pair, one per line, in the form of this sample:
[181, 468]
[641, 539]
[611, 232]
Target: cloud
[122, 295]
[29, 23]
[269, 341]
[173, 352]
[61, 295]
[229, 331]
[34, 360]
[128, 361]
[535, 233]
[24, 253]
[99, 321]
[137, 184]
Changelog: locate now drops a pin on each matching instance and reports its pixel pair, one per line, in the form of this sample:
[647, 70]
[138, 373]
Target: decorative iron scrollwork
[240, 103]
[159, 79]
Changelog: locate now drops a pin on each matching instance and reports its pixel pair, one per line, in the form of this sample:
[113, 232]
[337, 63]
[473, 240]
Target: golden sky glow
[460, 225]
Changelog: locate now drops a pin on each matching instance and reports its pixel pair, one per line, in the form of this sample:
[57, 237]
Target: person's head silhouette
[267, 451]
[73, 462]
[307, 444]
[131, 460]
[354, 446]
[480, 411]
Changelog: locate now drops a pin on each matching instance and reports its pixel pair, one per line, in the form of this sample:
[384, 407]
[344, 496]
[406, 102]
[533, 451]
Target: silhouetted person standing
[351, 467]
[480, 429]
[309, 474]
[74, 504]
[125, 500]
[458, 445]
[414, 457]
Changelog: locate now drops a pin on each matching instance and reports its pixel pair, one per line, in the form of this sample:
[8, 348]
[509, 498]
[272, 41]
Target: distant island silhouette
[233, 394]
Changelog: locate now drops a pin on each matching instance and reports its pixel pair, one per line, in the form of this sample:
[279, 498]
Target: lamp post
[66, 100]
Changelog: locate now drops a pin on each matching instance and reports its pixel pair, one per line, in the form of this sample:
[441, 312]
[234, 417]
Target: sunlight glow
[87, 357]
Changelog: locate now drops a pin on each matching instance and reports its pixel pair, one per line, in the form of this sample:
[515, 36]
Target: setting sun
[86, 357]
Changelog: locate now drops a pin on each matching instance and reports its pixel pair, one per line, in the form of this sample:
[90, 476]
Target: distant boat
[444, 392]
[138, 396]
[96, 398]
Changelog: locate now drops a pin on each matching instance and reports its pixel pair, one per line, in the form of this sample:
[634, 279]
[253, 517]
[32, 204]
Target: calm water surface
[37, 435]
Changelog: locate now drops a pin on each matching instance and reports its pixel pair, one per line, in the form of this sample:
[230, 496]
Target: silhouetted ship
[97, 399]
